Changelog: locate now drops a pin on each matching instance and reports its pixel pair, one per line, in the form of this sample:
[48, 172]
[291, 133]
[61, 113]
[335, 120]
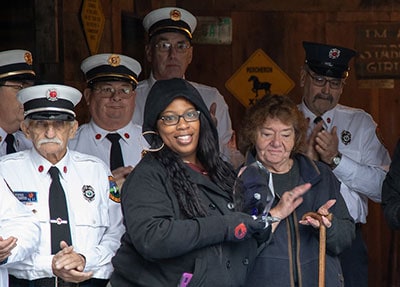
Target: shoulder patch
[114, 190]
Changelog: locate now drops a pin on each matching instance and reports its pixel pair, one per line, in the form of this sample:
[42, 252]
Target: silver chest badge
[346, 137]
[88, 192]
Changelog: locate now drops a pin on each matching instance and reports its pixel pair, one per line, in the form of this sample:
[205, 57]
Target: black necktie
[10, 143]
[317, 120]
[116, 159]
[59, 222]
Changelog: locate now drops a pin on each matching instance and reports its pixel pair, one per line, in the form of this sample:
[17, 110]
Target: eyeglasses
[180, 47]
[108, 92]
[43, 125]
[173, 119]
[320, 81]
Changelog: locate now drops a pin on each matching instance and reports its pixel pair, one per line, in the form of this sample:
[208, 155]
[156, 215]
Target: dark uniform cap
[111, 67]
[49, 102]
[328, 60]
[162, 94]
[16, 65]
[170, 19]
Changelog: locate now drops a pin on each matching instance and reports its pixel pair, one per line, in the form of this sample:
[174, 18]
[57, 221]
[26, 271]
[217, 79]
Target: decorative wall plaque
[378, 47]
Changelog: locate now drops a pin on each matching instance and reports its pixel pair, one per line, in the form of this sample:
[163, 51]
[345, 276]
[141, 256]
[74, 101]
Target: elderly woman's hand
[323, 211]
[289, 201]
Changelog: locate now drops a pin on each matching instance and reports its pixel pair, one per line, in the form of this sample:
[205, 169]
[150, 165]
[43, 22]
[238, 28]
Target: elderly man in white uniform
[344, 138]
[73, 195]
[19, 232]
[110, 95]
[170, 51]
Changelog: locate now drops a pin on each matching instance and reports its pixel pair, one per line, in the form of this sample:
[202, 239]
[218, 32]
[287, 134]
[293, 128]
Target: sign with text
[213, 30]
[258, 76]
[93, 23]
[378, 47]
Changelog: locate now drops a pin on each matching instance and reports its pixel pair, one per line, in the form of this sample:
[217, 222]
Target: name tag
[26, 196]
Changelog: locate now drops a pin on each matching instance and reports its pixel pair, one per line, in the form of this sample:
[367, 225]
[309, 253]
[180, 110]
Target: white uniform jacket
[209, 94]
[93, 207]
[21, 142]
[18, 221]
[365, 160]
[91, 139]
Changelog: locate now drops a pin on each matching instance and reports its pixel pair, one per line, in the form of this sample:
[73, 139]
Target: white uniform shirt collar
[327, 116]
[128, 129]
[39, 161]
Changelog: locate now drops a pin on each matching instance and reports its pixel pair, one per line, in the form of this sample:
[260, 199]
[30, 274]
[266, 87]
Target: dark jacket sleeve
[391, 191]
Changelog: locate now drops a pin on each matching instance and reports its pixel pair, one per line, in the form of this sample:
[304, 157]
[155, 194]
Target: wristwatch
[336, 160]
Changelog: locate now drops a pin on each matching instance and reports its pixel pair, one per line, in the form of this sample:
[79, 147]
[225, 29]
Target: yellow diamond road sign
[93, 23]
[256, 77]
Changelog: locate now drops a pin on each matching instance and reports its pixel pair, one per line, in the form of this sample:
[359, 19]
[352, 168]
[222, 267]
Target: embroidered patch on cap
[334, 53]
[52, 95]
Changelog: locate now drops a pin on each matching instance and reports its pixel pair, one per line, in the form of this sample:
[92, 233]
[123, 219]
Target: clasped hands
[322, 144]
[69, 265]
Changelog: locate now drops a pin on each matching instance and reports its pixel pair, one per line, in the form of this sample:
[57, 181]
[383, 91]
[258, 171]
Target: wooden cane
[322, 245]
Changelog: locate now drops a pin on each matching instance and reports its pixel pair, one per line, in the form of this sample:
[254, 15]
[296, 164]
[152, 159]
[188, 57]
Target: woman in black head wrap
[177, 203]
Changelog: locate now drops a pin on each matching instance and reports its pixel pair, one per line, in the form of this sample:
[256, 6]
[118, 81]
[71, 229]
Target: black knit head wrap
[162, 94]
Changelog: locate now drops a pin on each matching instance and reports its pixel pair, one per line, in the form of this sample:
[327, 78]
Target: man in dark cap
[169, 52]
[16, 73]
[344, 138]
[72, 194]
[110, 95]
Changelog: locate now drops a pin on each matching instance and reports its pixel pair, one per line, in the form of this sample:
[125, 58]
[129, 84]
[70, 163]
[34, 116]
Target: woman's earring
[145, 147]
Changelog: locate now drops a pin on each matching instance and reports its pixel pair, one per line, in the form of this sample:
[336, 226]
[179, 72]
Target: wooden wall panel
[17, 29]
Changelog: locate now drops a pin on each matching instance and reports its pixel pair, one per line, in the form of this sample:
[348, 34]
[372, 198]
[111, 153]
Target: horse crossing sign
[258, 76]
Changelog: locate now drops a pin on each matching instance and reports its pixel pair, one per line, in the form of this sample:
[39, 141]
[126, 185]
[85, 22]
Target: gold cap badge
[175, 15]
[114, 60]
[28, 58]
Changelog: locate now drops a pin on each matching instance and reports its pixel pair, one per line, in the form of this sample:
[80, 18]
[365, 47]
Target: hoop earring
[145, 149]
